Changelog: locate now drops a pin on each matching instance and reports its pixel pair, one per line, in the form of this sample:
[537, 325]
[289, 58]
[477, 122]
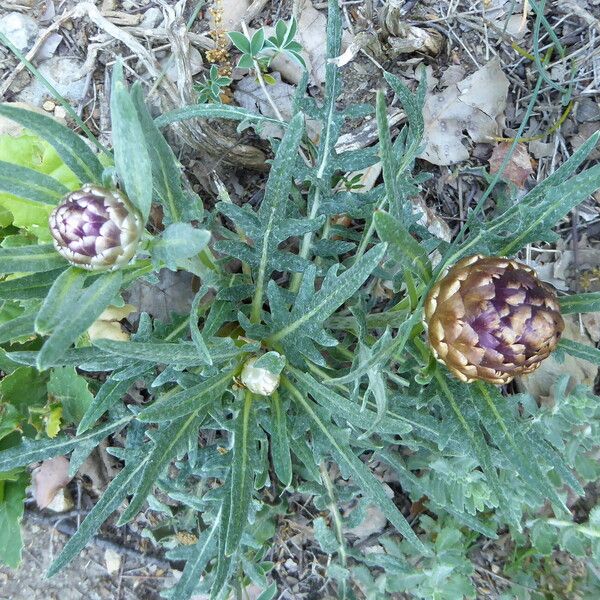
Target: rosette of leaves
[358, 383]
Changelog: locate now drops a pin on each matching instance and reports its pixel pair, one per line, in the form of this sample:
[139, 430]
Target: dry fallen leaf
[518, 168]
[48, 479]
[107, 326]
[112, 560]
[475, 106]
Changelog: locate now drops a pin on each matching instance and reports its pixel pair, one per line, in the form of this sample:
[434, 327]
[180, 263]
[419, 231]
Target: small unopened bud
[96, 229]
[257, 380]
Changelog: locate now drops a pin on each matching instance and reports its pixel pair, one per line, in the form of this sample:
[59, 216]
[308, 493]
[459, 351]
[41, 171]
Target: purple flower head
[96, 228]
[491, 319]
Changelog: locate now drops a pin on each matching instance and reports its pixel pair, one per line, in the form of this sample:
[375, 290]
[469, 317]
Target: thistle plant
[292, 361]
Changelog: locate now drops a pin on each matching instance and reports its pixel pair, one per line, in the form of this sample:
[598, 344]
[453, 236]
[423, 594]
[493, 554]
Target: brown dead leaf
[474, 107]
[48, 479]
[518, 169]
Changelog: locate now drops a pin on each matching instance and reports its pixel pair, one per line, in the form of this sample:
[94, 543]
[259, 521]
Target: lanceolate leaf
[30, 259]
[304, 324]
[166, 443]
[402, 245]
[361, 474]
[61, 298]
[579, 350]
[132, 159]
[211, 111]
[69, 146]
[15, 328]
[280, 444]
[91, 303]
[165, 170]
[203, 551]
[192, 399]
[112, 498]
[242, 480]
[29, 286]
[580, 303]
[30, 185]
[28, 452]
[109, 393]
[349, 410]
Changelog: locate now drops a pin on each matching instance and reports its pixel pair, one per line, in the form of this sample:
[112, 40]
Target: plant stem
[336, 517]
[261, 80]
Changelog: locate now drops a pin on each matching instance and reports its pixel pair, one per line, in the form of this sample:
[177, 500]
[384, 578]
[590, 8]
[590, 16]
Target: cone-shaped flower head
[96, 229]
[492, 319]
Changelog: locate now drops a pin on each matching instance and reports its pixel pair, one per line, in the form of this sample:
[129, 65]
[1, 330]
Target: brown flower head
[491, 319]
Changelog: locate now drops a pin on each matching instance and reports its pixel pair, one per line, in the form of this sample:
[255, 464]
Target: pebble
[20, 29]
[64, 74]
[152, 18]
[48, 106]
[196, 63]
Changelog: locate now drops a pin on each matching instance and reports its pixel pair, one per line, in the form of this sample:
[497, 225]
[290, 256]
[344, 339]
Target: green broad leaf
[109, 393]
[469, 423]
[22, 325]
[30, 259]
[370, 487]
[242, 470]
[166, 444]
[580, 303]
[202, 552]
[70, 147]
[10, 422]
[28, 452]
[193, 399]
[12, 504]
[63, 295]
[30, 185]
[179, 241]
[280, 443]
[212, 111]
[257, 42]
[579, 350]
[196, 335]
[271, 361]
[112, 498]
[507, 434]
[132, 159]
[240, 41]
[25, 389]
[72, 391]
[299, 329]
[412, 482]
[90, 306]
[166, 172]
[28, 286]
[402, 246]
